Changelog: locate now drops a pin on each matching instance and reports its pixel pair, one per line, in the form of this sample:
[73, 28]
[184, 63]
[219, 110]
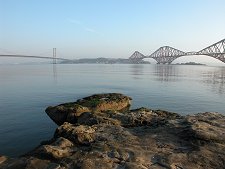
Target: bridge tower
[54, 55]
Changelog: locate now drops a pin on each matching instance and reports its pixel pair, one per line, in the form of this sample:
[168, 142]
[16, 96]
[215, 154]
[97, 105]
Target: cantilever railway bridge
[167, 54]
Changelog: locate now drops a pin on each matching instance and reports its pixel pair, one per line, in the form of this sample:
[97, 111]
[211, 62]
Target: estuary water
[26, 90]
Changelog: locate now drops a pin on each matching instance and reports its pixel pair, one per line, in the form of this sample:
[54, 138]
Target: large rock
[132, 139]
[66, 112]
[59, 148]
[69, 112]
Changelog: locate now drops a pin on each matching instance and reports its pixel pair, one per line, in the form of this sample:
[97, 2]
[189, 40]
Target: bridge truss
[216, 51]
[166, 54]
[137, 56]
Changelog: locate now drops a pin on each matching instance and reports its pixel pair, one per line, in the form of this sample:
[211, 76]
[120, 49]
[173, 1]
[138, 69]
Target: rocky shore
[101, 132]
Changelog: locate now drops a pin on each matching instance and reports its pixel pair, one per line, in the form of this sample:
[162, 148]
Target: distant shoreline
[115, 61]
[189, 63]
[104, 61]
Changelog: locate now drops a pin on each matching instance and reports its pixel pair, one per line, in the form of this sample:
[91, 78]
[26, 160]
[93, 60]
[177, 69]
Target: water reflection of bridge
[166, 54]
[166, 73]
[215, 79]
[212, 77]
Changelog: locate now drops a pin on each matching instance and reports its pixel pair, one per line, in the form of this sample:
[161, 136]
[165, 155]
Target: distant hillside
[190, 63]
[104, 61]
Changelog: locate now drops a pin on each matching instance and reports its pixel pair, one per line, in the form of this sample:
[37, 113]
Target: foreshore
[101, 132]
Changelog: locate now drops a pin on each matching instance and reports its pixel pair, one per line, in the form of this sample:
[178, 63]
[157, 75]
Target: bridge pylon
[54, 56]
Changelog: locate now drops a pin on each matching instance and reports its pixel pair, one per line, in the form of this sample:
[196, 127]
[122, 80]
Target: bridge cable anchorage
[167, 54]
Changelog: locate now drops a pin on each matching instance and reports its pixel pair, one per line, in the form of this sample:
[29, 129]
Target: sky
[108, 28]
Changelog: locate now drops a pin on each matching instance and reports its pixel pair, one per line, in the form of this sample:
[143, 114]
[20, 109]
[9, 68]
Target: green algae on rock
[95, 103]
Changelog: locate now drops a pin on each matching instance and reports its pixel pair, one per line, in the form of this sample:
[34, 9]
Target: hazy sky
[108, 28]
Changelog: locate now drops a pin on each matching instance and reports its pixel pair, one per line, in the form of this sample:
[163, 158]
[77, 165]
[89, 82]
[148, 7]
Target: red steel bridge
[166, 54]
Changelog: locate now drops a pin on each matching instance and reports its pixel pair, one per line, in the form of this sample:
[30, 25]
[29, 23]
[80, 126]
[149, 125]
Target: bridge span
[167, 54]
[32, 56]
[54, 58]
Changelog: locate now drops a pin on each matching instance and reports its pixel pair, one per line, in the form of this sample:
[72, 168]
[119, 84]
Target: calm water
[26, 90]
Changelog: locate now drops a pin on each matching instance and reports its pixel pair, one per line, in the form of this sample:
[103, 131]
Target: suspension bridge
[53, 58]
[167, 54]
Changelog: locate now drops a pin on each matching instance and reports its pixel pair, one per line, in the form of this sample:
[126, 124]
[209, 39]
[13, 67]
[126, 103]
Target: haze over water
[26, 90]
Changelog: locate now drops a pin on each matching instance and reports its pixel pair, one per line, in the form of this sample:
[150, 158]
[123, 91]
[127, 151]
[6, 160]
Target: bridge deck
[32, 56]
